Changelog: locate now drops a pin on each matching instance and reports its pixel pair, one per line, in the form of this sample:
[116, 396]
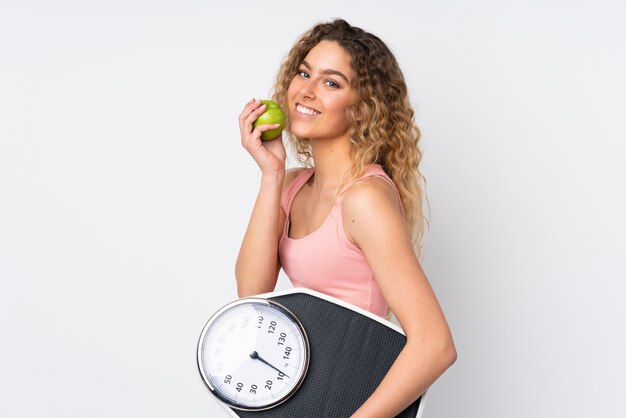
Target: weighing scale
[297, 353]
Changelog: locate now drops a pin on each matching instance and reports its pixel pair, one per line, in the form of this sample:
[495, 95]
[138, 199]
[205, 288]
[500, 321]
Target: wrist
[274, 177]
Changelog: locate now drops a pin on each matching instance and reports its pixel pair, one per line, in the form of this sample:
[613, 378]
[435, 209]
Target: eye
[303, 73]
[333, 84]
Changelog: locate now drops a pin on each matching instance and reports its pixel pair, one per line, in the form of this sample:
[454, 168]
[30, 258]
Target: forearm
[257, 265]
[415, 369]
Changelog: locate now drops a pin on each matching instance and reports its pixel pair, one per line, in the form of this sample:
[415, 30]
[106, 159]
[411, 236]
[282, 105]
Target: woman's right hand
[269, 155]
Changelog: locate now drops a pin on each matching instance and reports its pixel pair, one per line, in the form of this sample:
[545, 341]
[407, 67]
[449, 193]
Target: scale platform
[351, 350]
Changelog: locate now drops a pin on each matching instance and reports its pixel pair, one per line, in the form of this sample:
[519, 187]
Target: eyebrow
[327, 71]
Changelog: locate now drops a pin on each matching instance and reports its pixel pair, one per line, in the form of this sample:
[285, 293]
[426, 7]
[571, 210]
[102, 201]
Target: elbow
[246, 291]
[245, 283]
[445, 349]
[244, 288]
[250, 285]
[440, 352]
[448, 354]
[242, 292]
[443, 356]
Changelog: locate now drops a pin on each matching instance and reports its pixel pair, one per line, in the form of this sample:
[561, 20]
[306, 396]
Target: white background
[124, 194]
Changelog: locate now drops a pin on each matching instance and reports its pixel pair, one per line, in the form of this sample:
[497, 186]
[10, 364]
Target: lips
[306, 110]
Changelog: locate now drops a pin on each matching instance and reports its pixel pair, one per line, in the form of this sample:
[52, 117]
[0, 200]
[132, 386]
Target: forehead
[329, 55]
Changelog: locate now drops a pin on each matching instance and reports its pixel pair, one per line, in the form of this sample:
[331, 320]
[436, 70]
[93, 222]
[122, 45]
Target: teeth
[306, 110]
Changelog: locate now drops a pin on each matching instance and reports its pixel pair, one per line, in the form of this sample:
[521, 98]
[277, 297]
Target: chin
[300, 131]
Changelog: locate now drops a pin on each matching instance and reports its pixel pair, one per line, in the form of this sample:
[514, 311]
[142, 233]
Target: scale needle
[254, 355]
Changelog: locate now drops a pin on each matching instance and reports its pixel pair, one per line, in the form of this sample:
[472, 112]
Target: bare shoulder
[371, 210]
[371, 195]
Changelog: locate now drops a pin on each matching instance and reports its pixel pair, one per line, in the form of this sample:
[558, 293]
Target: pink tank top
[326, 260]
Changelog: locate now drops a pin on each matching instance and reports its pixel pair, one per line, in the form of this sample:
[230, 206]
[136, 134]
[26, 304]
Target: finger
[251, 111]
[254, 115]
[275, 144]
[247, 109]
[247, 127]
[268, 126]
[259, 129]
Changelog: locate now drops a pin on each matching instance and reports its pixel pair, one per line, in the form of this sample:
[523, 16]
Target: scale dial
[253, 354]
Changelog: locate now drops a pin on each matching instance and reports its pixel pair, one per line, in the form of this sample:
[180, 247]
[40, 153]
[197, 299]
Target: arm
[257, 265]
[373, 221]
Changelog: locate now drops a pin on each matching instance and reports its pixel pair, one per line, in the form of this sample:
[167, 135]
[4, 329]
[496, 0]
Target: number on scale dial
[253, 354]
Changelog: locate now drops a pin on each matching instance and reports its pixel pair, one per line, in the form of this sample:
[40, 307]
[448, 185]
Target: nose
[307, 89]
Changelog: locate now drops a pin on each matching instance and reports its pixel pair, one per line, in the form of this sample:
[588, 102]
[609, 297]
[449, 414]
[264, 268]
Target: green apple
[273, 114]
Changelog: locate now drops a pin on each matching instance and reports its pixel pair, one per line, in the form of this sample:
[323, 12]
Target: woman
[346, 224]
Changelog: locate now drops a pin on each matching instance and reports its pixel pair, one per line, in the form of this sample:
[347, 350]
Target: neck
[332, 162]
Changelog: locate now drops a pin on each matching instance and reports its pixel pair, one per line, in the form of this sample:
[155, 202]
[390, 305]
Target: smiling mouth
[306, 110]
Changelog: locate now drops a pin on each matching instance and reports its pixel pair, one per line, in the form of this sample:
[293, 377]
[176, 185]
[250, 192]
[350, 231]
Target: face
[320, 92]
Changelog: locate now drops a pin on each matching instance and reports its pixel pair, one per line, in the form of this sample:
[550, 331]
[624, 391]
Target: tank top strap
[372, 170]
[292, 189]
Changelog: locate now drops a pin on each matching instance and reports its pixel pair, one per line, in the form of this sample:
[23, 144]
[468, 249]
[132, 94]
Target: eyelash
[330, 83]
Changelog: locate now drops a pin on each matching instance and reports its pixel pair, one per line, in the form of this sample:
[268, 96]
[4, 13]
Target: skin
[372, 220]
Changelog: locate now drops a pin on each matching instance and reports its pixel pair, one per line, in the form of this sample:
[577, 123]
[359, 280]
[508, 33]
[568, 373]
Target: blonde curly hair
[382, 127]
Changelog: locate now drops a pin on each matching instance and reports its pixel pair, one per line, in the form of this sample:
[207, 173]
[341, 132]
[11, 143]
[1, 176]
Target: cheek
[338, 108]
[292, 89]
